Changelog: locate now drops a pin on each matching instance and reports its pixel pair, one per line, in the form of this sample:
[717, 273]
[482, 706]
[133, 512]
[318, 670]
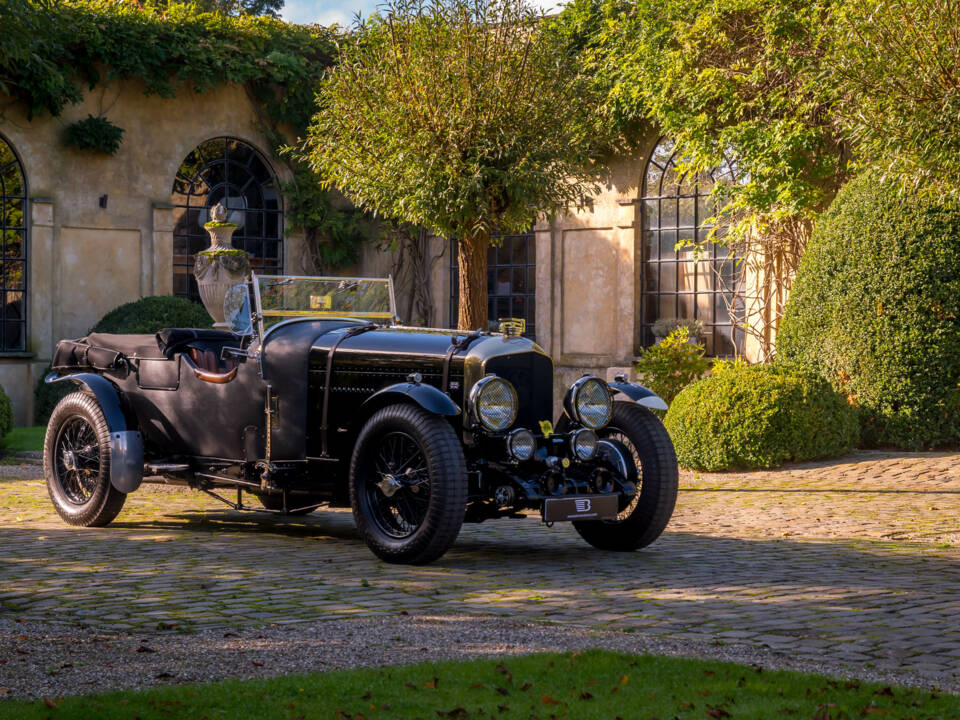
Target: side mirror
[236, 310]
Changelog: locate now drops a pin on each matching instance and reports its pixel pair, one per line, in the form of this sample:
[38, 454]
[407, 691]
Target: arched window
[676, 283]
[230, 171]
[13, 234]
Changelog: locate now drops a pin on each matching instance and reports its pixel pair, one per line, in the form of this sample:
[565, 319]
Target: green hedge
[875, 310]
[147, 315]
[759, 416]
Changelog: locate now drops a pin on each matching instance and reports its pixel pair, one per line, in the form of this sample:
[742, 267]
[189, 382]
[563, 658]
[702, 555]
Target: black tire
[274, 501]
[643, 518]
[76, 463]
[417, 458]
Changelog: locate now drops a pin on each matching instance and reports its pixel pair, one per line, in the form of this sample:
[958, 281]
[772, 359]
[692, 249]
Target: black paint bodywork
[287, 420]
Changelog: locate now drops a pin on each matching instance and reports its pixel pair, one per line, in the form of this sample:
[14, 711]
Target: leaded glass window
[677, 281]
[13, 234]
[511, 280]
[235, 173]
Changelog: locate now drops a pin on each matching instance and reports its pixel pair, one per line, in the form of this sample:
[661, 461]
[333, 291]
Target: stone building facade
[96, 231]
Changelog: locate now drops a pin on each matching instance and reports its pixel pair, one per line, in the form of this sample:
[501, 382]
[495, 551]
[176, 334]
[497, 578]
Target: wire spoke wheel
[408, 484]
[398, 493]
[77, 459]
[627, 504]
[76, 463]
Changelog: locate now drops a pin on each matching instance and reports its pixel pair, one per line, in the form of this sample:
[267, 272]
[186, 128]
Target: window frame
[196, 238]
[23, 258]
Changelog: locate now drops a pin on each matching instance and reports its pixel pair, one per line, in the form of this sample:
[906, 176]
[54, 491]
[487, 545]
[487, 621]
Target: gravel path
[54, 661]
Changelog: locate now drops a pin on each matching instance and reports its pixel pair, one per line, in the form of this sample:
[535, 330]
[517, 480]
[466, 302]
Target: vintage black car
[317, 396]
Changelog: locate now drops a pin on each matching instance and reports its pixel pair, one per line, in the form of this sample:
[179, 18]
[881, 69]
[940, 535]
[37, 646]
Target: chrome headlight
[584, 443]
[589, 402]
[493, 403]
[521, 444]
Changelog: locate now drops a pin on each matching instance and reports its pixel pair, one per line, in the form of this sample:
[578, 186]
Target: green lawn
[25, 438]
[594, 684]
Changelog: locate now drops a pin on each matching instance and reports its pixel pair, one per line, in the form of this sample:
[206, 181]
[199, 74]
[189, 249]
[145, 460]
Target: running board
[160, 468]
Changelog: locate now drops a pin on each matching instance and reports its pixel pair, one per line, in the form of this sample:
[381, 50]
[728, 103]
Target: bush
[875, 311]
[152, 314]
[147, 315]
[671, 365]
[6, 414]
[759, 416]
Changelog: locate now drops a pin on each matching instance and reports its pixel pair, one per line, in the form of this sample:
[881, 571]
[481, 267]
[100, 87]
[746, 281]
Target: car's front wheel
[76, 463]
[641, 437]
[408, 485]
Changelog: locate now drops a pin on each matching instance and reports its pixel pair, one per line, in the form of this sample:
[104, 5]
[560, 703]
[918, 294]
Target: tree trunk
[472, 261]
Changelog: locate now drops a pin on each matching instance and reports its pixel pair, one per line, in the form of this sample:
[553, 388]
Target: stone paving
[856, 561]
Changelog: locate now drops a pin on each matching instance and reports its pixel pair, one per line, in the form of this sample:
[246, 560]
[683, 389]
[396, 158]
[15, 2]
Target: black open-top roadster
[315, 396]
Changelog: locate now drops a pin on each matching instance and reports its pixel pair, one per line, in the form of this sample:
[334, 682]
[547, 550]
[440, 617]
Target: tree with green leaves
[897, 66]
[462, 116]
[735, 83]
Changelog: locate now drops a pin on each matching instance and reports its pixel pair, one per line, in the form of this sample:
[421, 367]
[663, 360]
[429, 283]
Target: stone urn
[221, 266]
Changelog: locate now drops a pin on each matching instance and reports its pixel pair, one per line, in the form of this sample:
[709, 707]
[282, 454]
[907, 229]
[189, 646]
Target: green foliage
[730, 81]
[672, 364]
[230, 7]
[576, 684]
[152, 314]
[55, 50]
[897, 65]
[46, 396]
[665, 326]
[759, 416]
[94, 134]
[6, 414]
[22, 439]
[484, 145]
[875, 310]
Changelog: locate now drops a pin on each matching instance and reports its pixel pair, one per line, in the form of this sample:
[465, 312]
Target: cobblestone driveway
[856, 561]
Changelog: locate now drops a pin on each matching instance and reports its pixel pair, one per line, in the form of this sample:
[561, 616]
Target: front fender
[640, 395]
[426, 396]
[126, 446]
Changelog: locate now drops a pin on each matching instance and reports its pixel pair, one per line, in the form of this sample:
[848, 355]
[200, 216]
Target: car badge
[546, 427]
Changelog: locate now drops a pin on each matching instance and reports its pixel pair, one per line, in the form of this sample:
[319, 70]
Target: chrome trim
[474, 394]
[570, 401]
[573, 443]
[512, 435]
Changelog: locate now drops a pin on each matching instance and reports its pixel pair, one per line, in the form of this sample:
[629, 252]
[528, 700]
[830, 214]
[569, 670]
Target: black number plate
[581, 507]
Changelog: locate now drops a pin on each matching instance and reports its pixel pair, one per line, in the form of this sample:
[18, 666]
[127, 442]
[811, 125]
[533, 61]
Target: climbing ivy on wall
[74, 45]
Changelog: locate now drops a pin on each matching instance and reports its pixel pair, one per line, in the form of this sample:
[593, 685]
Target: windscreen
[280, 297]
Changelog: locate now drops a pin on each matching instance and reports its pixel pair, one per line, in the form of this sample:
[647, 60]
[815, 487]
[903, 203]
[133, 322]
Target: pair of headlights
[584, 443]
[493, 403]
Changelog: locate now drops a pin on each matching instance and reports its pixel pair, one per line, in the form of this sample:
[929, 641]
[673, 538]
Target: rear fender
[126, 445]
[640, 395]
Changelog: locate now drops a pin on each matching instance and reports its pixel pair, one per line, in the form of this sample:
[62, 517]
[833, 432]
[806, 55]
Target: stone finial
[218, 213]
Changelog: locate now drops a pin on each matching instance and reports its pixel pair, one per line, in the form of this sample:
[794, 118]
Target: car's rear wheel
[76, 463]
[644, 516]
[408, 485]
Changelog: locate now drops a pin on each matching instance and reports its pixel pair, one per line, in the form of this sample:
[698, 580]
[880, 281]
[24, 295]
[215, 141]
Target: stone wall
[85, 259]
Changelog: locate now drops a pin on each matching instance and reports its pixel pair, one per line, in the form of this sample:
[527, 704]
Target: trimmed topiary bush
[875, 310]
[152, 314]
[147, 315]
[759, 416]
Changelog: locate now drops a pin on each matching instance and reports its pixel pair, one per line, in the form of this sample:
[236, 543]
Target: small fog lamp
[521, 444]
[584, 444]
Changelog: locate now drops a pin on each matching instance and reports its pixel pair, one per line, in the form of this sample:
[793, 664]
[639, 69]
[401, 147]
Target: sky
[327, 12]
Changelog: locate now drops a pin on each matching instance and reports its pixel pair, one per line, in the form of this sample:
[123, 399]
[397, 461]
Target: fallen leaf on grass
[49, 703]
[704, 693]
[432, 684]
[477, 686]
[457, 712]
[686, 705]
[411, 686]
[503, 691]
[874, 710]
[624, 679]
[888, 691]
[366, 696]
[586, 696]
[547, 700]
[717, 712]
[5, 691]
[503, 708]
[525, 687]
